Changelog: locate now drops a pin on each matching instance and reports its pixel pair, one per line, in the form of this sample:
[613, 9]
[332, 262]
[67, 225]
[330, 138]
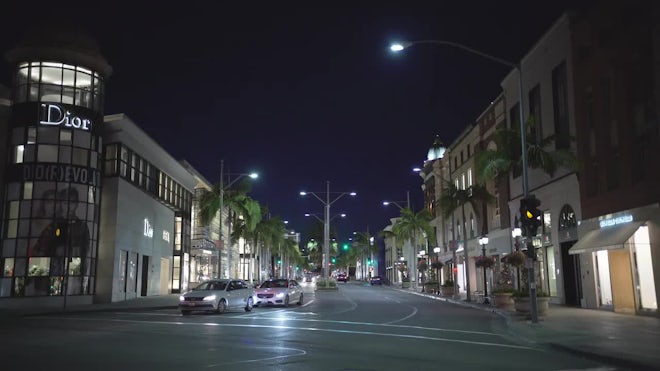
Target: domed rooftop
[437, 150]
[67, 45]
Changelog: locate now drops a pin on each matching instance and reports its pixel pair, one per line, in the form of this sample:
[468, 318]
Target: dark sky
[302, 92]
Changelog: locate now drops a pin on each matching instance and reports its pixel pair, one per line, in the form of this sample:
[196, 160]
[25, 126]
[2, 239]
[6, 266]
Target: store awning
[608, 238]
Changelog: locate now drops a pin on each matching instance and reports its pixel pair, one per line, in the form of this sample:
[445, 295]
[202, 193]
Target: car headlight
[182, 298]
[209, 298]
[279, 295]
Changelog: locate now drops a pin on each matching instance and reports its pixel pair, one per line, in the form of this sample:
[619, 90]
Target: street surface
[358, 327]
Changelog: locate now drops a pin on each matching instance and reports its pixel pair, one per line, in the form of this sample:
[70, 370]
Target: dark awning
[607, 238]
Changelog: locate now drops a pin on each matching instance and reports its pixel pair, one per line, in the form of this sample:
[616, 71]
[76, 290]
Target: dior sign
[55, 115]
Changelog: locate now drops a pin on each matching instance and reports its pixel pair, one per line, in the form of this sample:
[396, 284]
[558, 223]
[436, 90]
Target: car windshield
[274, 283]
[211, 285]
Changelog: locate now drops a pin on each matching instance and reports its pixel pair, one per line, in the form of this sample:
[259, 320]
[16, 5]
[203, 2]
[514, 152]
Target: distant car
[217, 296]
[309, 277]
[341, 277]
[376, 280]
[280, 291]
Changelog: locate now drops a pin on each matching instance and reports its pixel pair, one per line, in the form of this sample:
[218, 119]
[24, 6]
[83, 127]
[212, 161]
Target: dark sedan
[375, 280]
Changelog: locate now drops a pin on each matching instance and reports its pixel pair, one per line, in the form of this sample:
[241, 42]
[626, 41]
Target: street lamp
[397, 47]
[483, 241]
[326, 225]
[252, 175]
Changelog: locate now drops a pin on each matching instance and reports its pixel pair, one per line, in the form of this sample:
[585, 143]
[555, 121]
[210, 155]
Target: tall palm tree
[234, 199]
[244, 224]
[363, 249]
[410, 227]
[268, 234]
[452, 199]
[507, 156]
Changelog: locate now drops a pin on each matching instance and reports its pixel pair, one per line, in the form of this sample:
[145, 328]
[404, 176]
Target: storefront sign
[166, 236]
[61, 173]
[148, 229]
[53, 114]
[614, 221]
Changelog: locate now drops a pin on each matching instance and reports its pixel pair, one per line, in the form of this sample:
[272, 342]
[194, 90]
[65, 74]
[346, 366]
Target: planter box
[447, 291]
[504, 301]
[523, 305]
[405, 284]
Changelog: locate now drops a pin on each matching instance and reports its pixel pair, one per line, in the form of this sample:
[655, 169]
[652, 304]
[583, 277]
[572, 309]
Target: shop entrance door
[570, 265]
[145, 275]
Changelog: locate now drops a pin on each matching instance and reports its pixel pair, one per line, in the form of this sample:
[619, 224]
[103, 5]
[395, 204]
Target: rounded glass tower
[50, 218]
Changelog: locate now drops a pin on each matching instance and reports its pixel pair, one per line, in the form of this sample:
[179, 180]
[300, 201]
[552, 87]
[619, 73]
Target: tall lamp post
[397, 47]
[230, 182]
[483, 241]
[326, 225]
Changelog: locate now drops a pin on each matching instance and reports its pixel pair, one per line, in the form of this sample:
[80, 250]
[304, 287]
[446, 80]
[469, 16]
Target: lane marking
[404, 318]
[300, 352]
[315, 329]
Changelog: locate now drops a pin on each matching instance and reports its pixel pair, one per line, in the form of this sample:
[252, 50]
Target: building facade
[52, 186]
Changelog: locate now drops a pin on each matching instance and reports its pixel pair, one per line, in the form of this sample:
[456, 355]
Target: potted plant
[484, 262]
[502, 295]
[447, 288]
[515, 259]
[522, 302]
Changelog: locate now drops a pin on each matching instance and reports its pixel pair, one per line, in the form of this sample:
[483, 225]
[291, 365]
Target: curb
[628, 364]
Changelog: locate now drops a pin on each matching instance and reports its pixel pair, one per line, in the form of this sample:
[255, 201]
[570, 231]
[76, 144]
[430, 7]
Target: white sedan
[217, 296]
[278, 292]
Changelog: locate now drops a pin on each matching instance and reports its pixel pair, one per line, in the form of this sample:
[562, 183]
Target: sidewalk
[623, 340]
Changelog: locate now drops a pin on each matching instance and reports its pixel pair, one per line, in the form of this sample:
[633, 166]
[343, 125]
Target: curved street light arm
[463, 47]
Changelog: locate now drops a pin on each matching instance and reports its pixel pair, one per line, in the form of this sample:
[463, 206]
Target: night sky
[302, 92]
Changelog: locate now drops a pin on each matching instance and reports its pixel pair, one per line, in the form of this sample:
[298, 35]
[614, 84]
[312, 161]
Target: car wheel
[249, 305]
[222, 306]
[300, 299]
[286, 301]
[185, 312]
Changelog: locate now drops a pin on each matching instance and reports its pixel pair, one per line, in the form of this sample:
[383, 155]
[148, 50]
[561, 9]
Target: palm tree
[268, 234]
[451, 200]
[244, 224]
[234, 200]
[409, 227]
[507, 156]
[363, 249]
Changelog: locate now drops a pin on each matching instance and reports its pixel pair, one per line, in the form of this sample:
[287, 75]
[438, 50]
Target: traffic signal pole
[531, 219]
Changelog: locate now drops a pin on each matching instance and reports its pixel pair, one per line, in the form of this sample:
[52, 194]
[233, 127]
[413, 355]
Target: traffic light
[334, 260]
[369, 261]
[345, 247]
[531, 217]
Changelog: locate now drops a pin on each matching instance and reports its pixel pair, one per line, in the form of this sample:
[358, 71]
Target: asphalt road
[358, 327]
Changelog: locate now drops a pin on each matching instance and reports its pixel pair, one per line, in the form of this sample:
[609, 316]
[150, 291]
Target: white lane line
[404, 318]
[300, 352]
[267, 317]
[314, 329]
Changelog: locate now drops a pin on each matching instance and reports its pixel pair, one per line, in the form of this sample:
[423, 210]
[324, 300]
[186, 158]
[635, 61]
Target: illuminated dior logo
[52, 114]
[166, 236]
[148, 229]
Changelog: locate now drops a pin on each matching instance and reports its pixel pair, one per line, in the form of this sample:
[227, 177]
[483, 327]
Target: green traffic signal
[345, 246]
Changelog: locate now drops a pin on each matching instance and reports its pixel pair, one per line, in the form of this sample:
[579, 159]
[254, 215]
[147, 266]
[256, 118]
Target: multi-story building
[549, 112]
[52, 185]
[145, 234]
[617, 107]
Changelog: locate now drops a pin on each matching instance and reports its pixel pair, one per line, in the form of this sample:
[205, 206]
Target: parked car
[342, 277]
[375, 280]
[280, 291]
[217, 296]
